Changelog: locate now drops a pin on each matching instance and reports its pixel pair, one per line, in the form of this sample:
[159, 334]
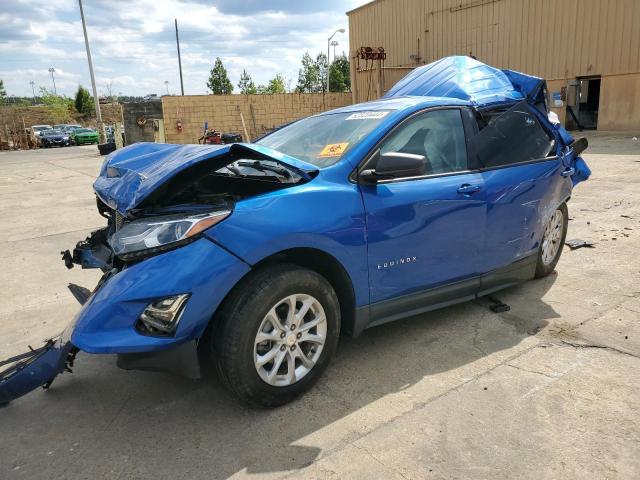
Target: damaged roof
[465, 78]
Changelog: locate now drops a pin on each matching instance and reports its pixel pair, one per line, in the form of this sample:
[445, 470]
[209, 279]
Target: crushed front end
[163, 278]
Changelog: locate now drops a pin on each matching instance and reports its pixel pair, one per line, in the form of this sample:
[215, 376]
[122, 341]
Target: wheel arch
[330, 268]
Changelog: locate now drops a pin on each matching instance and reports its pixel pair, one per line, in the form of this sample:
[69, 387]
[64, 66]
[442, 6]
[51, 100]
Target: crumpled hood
[131, 174]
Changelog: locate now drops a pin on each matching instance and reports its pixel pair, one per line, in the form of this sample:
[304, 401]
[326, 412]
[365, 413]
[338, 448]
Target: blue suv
[252, 259]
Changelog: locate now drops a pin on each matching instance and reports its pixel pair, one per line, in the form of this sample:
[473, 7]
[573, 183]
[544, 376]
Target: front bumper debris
[93, 252]
[35, 368]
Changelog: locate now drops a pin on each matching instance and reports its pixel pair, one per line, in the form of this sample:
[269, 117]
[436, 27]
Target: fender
[260, 227]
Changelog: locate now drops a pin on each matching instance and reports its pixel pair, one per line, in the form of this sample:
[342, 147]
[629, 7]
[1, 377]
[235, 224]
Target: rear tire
[552, 241]
[299, 344]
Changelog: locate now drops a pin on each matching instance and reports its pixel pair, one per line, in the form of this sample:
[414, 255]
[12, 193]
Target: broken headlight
[155, 234]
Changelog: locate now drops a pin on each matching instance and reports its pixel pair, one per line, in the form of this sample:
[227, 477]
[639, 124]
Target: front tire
[274, 335]
[552, 241]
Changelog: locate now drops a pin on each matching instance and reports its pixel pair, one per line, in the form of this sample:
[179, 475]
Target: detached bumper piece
[35, 368]
[92, 252]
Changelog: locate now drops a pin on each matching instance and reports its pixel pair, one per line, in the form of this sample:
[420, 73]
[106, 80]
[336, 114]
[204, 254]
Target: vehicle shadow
[102, 421]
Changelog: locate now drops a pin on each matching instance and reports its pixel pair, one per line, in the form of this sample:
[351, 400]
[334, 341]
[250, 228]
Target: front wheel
[553, 238]
[274, 335]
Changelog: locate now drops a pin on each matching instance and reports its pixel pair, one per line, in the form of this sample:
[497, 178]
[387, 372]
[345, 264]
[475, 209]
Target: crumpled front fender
[106, 323]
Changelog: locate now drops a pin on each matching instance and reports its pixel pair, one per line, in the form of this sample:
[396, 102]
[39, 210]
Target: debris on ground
[626, 216]
[498, 306]
[578, 243]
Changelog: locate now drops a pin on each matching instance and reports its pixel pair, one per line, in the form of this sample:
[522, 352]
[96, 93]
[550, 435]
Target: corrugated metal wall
[553, 39]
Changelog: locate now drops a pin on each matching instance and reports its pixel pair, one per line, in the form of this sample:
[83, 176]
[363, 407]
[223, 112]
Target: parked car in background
[83, 136]
[54, 138]
[67, 127]
[252, 259]
[36, 129]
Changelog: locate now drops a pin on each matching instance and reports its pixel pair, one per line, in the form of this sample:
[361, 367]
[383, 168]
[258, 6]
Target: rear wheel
[552, 241]
[275, 334]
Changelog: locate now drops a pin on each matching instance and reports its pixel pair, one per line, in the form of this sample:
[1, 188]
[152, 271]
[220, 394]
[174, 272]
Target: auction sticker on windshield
[366, 115]
[333, 150]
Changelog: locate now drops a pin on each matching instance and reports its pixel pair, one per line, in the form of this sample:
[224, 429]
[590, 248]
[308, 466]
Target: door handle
[467, 189]
[568, 172]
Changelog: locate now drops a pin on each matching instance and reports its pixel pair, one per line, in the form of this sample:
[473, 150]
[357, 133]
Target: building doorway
[584, 104]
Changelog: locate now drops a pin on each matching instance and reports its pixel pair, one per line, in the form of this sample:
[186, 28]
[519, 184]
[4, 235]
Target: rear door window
[512, 137]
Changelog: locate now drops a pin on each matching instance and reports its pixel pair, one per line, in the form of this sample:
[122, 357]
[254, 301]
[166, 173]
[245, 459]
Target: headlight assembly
[155, 234]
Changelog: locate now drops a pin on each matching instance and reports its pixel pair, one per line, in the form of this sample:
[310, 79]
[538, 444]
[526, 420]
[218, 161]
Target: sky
[133, 42]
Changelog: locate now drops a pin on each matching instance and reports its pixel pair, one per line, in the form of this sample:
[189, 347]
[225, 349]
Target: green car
[82, 136]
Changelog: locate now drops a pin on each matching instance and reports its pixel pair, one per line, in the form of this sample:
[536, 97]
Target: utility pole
[179, 60]
[93, 78]
[52, 71]
[33, 90]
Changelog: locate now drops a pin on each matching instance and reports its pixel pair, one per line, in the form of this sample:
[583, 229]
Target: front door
[427, 231]
[523, 183]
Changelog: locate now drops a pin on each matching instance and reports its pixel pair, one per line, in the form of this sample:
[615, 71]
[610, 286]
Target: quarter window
[438, 135]
[514, 136]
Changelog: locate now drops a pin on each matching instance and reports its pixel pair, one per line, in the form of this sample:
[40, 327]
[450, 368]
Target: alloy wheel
[551, 241]
[290, 340]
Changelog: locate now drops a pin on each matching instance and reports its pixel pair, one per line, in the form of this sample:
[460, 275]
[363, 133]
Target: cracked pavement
[549, 389]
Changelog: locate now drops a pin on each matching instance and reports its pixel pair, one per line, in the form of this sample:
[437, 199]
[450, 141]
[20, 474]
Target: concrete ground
[550, 389]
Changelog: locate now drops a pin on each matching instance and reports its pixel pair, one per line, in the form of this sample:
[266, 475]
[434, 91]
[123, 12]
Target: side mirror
[395, 165]
[580, 146]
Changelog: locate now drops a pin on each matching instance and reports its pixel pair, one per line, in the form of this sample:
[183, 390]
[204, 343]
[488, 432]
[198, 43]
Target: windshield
[52, 132]
[83, 130]
[324, 139]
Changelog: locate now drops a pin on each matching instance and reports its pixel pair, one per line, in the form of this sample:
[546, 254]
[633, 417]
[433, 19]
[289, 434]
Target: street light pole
[52, 71]
[341, 30]
[33, 90]
[334, 44]
[93, 78]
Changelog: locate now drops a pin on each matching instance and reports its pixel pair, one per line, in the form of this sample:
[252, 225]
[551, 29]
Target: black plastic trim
[445, 295]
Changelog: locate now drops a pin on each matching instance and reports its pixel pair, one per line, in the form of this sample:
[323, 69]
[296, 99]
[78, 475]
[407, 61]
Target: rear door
[426, 231]
[523, 182]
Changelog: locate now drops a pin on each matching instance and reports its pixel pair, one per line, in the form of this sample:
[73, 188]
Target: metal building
[587, 50]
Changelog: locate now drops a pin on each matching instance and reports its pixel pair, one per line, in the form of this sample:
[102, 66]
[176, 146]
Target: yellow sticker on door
[333, 149]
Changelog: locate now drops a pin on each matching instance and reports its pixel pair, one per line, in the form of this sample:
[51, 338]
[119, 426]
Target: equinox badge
[396, 262]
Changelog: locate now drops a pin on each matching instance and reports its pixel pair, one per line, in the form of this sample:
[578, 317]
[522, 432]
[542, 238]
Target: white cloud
[134, 47]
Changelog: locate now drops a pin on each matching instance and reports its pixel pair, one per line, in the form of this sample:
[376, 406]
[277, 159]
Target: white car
[36, 129]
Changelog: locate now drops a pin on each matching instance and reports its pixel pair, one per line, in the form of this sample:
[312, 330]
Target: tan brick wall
[222, 112]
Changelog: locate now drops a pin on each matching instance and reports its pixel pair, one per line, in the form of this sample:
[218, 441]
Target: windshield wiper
[264, 167]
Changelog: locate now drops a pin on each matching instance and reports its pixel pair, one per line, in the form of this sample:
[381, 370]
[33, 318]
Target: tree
[58, 106]
[340, 79]
[3, 93]
[308, 75]
[312, 76]
[322, 65]
[84, 102]
[219, 82]
[109, 92]
[246, 85]
[276, 85]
